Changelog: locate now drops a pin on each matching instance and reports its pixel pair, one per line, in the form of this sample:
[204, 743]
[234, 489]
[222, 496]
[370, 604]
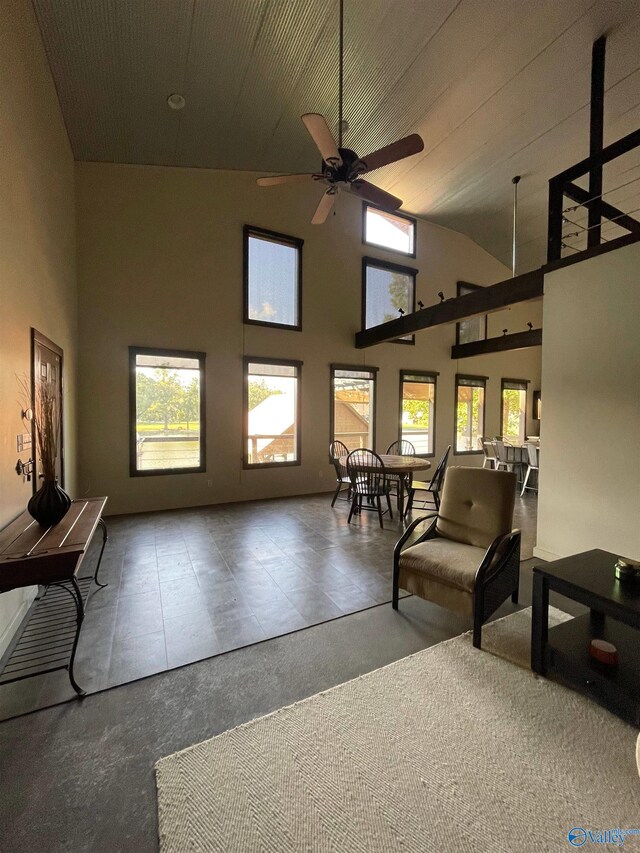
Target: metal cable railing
[605, 223]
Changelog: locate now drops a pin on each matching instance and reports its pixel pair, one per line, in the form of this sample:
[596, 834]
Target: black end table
[563, 651]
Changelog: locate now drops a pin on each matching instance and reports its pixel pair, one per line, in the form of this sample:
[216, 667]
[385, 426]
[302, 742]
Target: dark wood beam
[576, 193]
[522, 288]
[517, 340]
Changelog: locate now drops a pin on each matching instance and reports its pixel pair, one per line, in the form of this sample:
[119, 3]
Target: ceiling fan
[341, 167]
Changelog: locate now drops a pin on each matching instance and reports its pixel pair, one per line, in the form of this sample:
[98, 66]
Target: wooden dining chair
[432, 488]
[369, 480]
[338, 450]
[401, 448]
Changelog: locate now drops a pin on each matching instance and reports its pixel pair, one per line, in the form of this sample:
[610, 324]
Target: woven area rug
[449, 750]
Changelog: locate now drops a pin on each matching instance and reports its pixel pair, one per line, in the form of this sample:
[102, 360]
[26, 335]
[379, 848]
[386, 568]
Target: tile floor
[189, 584]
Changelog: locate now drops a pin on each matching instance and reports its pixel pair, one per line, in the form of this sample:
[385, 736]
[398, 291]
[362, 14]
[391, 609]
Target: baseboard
[546, 555]
[8, 634]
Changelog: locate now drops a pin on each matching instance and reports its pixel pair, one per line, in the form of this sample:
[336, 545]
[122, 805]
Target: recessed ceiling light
[176, 101]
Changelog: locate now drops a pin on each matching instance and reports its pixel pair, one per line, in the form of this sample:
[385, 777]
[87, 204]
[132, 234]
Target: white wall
[160, 265]
[37, 252]
[590, 429]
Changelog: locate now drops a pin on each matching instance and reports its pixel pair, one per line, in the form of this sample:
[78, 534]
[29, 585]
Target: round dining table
[401, 466]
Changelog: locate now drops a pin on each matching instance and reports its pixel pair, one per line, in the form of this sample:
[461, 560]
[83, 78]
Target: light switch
[23, 442]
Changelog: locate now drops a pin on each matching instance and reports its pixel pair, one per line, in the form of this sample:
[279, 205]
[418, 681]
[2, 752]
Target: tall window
[418, 410]
[272, 279]
[513, 414]
[388, 230]
[353, 396]
[386, 288]
[271, 412]
[475, 328]
[469, 413]
[166, 411]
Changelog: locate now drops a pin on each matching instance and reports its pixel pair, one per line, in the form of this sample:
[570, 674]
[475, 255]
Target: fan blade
[323, 138]
[275, 180]
[374, 194]
[324, 208]
[405, 147]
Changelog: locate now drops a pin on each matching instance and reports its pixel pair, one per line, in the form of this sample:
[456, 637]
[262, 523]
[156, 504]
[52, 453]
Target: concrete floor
[79, 776]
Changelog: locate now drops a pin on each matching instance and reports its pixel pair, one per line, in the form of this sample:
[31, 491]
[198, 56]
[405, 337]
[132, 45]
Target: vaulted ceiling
[495, 88]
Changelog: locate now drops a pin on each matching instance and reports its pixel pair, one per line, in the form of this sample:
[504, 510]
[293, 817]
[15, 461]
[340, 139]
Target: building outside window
[470, 394]
[272, 279]
[386, 289]
[393, 231]
[167, 411]
[271, 412]
[353, 395]
[513, 413]
[418, 410]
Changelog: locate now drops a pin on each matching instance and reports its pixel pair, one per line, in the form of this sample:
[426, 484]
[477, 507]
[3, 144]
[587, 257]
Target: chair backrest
[438, 475]
[488, 448]
[366, 471]
[532, 453]
[338, 449]
[476, 505]
[501, 450]
[401, 448]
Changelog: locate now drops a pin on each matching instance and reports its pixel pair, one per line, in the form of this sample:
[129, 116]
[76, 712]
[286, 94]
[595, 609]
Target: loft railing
[579, 226]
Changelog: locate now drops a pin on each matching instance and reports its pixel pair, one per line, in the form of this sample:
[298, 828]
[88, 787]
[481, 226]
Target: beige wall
[160, 264]
[590, 462]
[37, 251]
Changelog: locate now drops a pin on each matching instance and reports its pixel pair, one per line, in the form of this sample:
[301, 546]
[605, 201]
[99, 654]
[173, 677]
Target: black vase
[50, 504]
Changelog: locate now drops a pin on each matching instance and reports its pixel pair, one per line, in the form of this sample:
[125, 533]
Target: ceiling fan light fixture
[341, 167]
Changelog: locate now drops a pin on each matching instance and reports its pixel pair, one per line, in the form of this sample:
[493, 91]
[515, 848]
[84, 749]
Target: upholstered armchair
[468, 558]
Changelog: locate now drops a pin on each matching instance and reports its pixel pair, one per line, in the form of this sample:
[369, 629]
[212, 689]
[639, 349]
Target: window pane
[418, 412]
[272, 281]
[469, 416]
[272, 407]
[167, 413]
[388, 230]
[386, 292]
[475, 328]
[353, 398]
[257, 369]
[514, 406]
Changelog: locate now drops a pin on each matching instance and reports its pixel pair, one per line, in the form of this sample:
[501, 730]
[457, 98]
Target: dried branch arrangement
[46, 421]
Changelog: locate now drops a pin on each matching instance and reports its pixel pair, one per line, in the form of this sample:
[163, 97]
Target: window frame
[411, 219]
[426, 373]
[273, 237]
[276, 362]
[134, 352]
[482, 382]
[367, 261]
[470, 288]
[524, 382]
[359, 368]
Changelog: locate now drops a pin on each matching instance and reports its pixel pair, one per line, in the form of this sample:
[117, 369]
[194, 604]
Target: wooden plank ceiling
[495, 87]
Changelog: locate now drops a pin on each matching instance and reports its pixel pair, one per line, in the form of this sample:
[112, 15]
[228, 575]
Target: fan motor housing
[350, 168]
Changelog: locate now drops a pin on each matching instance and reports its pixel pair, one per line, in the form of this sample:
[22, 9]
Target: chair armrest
[402, 540]
[491, 562]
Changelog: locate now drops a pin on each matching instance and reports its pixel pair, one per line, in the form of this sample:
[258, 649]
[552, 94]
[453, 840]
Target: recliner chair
[468, 559]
